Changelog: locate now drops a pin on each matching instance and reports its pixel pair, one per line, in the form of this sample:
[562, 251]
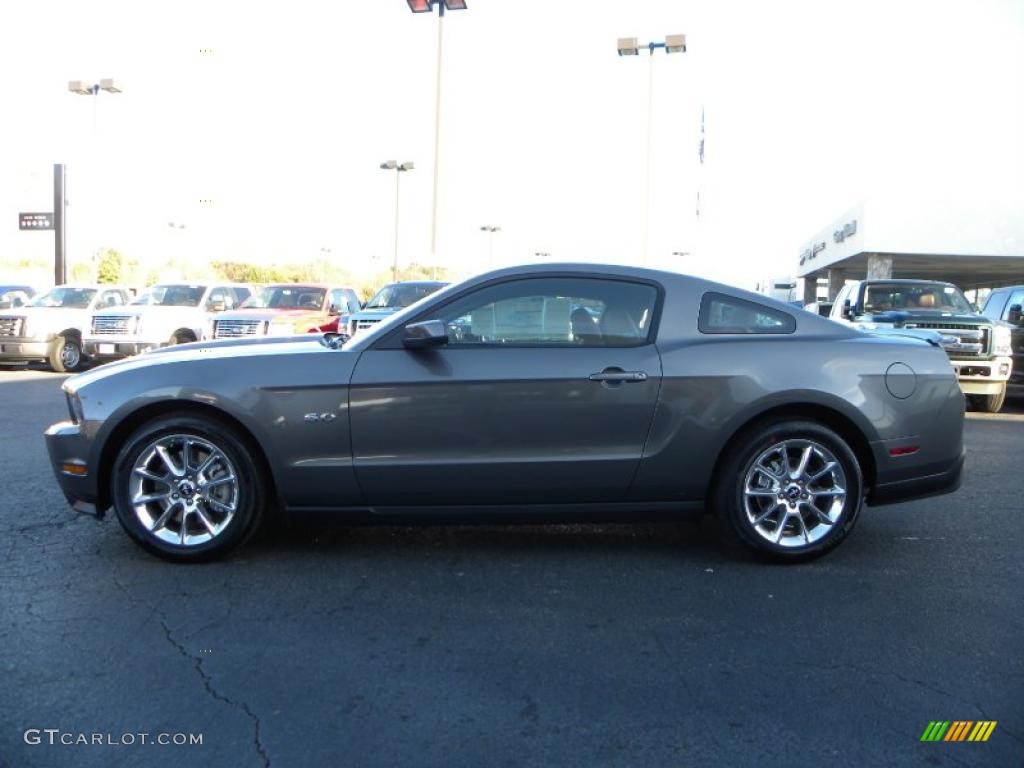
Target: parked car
[683, 395]
[50, 328]
[388, 300]
[281, 310]
[978, 348]
[823, 308]
[170, 313]
[1003, 307]
[14, 296]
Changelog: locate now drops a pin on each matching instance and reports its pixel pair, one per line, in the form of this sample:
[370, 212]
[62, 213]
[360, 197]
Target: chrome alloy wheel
[183, 489]
[70, 355]
[794, 493]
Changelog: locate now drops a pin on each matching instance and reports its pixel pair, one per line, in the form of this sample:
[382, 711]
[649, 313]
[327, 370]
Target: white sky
[810, 106]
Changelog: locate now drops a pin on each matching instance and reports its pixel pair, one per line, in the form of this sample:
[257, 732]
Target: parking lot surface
[592, 645]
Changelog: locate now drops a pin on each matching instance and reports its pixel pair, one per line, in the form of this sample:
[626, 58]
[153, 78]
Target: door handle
[617, 374]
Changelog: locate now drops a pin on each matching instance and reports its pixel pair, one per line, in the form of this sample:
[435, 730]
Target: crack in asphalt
[197, 663]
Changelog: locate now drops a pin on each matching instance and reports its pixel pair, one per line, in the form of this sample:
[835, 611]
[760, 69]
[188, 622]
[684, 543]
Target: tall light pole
[628, 46]
[427, 6]
[490, 229]
[398, 168]
[82, 88]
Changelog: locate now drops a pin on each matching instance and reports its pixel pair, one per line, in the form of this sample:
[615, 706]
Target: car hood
[376, 313]
[264, 313]
[141, 309]
[180, 354]
[902, 316]
[42, 318]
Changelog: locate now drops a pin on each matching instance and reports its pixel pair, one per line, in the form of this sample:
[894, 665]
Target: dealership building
[974, 243]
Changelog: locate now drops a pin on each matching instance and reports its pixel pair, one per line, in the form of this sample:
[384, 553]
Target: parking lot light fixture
[399, 169]
[425, 6]
[490, 229]
[628, 46]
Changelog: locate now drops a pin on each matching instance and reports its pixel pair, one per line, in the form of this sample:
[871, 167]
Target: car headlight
[208, 329]
[25, 326]
[280, 329]
[75, 407]
[136, 325]
[1001, 337]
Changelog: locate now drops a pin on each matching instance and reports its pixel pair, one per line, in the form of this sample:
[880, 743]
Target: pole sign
[35, 221]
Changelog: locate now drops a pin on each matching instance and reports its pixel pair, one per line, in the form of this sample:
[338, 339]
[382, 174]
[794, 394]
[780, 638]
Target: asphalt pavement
[592, 645]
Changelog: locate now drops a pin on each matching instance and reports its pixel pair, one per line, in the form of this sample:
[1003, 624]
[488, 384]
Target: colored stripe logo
[959, 730]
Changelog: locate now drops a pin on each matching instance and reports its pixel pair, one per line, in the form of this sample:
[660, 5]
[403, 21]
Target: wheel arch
[185, 333]
[831, 417]
[75, 333]
[119, 433]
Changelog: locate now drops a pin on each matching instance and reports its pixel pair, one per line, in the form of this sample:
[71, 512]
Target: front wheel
[988, 403]
[65, 355]
[187, 489]
[792, 489]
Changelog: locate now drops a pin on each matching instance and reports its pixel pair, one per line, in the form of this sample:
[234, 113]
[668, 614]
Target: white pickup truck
[51, 326]
[170, 313]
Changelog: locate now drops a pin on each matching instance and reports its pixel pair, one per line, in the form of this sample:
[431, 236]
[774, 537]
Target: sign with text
[35, 221]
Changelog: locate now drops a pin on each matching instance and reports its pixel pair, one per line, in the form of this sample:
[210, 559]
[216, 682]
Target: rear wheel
[187, 489]
[988, 403]
[65, 354]
[790, 489]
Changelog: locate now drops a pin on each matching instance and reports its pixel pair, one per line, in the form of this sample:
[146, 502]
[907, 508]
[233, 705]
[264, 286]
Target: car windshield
[884, 297]
[172, 296]
[69, 298]
[401, 294]
[287, 297]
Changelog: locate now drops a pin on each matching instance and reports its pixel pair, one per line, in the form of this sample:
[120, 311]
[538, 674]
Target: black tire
[181, 337]
[730, 502]
[249, 490]
[65, 355]
[987, 403]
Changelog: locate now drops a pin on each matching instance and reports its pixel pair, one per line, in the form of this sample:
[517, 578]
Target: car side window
[720, 313]
[1017, 297]
[110, 299]
[240, 293]
[218, 295]
[563, 311]
[994, 305]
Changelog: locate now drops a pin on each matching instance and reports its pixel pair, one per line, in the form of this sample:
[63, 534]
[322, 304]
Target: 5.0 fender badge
[327, 416]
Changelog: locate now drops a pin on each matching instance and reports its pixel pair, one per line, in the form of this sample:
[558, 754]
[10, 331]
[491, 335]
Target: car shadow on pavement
[696, 536]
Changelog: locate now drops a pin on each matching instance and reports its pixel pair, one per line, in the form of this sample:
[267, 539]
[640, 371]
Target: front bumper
[946, 480]
[983, 377]
[67, 445]
[22, 349]
[117, 347]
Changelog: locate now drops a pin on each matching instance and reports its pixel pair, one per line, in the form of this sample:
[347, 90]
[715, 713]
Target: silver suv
[50, 328]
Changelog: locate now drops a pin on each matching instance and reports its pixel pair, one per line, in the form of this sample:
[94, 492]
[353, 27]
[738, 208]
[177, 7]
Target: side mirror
[334, 310]
[430, 333]
[218, 305]
[847, 310]
[1013, 316]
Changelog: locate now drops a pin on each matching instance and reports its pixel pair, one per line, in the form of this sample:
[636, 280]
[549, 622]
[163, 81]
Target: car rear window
[720, 313]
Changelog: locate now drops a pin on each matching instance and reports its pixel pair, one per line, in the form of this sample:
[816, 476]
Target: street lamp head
[675, 43]
[389, 165]
[110, 85]
[628, 46]
[455, 5]
[408, 165]
[80, 87]
[421, 6]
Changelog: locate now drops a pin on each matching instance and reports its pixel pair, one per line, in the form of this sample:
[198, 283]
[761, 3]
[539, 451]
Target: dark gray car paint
[513, 426]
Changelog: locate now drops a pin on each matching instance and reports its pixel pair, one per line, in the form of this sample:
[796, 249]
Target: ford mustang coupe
[545, 392]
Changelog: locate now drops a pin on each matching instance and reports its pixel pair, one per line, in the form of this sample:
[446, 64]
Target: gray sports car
[553, 392]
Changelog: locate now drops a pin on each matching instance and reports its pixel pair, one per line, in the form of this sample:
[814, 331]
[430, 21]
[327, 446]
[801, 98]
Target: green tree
[110, 266]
